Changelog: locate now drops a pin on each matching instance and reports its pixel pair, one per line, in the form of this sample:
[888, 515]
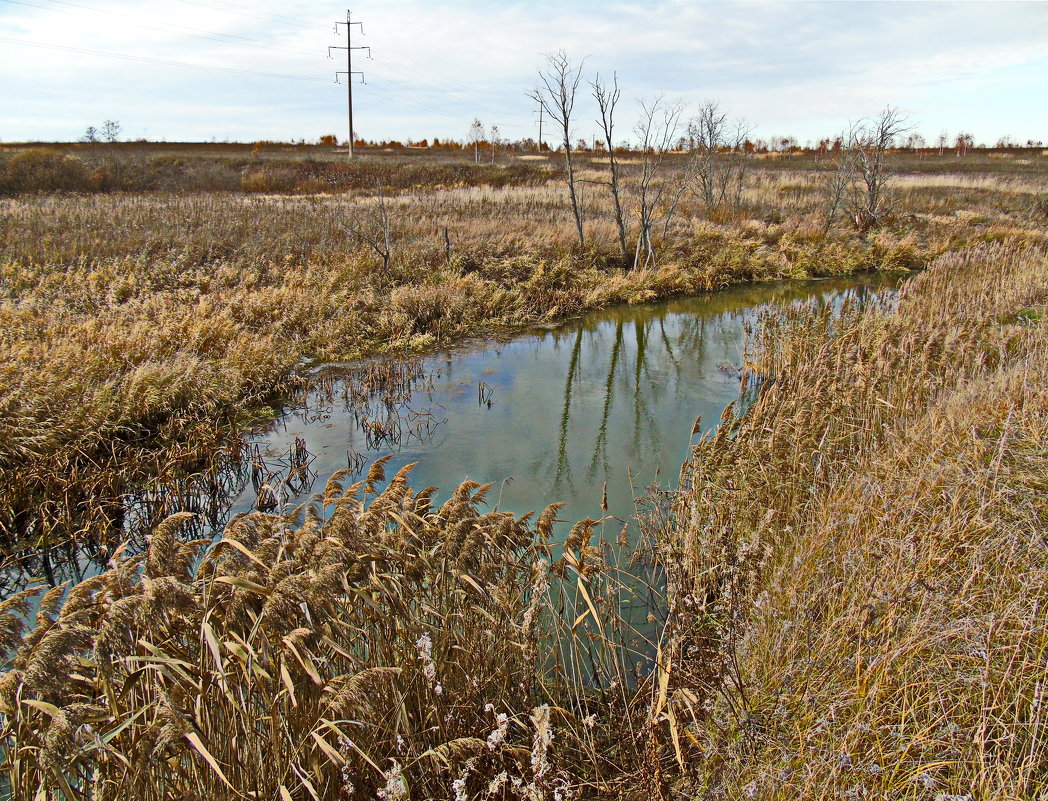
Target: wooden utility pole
[541, 109]
[349, 73]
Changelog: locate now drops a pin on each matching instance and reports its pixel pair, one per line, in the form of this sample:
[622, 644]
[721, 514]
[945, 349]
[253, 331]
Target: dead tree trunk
[607, 99]
[560, 82]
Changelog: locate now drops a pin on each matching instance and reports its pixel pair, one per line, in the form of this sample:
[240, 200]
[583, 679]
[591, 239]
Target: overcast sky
[789, 68]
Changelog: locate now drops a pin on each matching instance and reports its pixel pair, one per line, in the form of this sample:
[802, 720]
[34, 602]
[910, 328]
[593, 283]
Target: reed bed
[368, 645]
[855, 581]
[857, 564]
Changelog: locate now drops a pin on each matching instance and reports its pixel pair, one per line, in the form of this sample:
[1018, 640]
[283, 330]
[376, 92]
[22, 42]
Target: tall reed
[857, 567]
[368, 645]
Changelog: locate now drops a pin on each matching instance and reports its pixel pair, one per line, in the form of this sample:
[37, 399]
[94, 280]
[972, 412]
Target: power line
[151, 60]
[403, 95]
[278, 18]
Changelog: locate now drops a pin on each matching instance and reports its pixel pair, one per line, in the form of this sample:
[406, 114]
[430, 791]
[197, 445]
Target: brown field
[856, 580]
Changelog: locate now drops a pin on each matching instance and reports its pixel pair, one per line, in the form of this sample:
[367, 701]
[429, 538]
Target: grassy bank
[858, 563]
[856, 580]
[140, 328]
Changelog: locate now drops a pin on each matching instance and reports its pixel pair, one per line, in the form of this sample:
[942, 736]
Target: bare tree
[556, 95]
[494, 141]
[657, 130]
[719, 158]
[861, 176]
[916, 142]
[837, 182]
[607, 99]
[870, 142]
[377, 232]
[111, 131]
[476, 136]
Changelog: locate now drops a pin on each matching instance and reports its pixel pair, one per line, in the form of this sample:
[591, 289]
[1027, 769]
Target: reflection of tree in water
[600, 446]
[563, 463]
[641, 412]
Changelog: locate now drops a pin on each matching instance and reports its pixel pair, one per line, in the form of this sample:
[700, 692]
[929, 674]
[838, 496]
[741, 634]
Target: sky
[247, 70]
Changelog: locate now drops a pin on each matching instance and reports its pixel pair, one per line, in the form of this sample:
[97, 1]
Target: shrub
[41, 170]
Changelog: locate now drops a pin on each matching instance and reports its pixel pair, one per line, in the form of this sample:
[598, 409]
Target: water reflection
[602, 407]
[603, 403]
[207, 490]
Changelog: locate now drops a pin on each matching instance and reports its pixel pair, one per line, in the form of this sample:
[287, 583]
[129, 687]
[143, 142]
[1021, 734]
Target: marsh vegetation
[854, 588]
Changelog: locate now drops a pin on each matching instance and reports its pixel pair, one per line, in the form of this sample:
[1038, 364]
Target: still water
[554, 414]
[604, 402]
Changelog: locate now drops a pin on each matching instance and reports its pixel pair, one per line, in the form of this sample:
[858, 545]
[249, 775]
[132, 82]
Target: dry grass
[368, 646]
[859, 566]
[178, 314]
[855, 566]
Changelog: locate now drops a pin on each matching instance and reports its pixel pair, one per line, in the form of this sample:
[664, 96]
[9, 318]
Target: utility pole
[349, 73]
[541, 109]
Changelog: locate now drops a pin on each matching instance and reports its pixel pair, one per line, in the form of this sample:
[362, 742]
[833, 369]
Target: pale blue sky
[789, 68]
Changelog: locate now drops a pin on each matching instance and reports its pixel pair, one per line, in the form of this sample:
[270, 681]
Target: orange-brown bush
[41, 170]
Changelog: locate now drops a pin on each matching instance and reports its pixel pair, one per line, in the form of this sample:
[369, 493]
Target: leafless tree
[870, 142]
[837, 183]
[964, 143]
[476, 136]
[111, 131]
[861, 176]
[560, 82]
[376, 231]
[607, 99]
[657, 129]
[719, 157]
[494, 141]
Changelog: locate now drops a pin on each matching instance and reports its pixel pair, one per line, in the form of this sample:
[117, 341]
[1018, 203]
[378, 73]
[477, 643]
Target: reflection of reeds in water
[207, 493]
[276, 481]
[123, 508]
[370, 643]
[378, 393]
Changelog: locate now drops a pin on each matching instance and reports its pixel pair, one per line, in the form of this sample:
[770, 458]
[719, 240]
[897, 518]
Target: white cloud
[790, 67]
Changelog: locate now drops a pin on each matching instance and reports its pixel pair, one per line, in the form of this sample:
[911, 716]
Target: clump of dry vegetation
[367, 646]
[98, 167]
[858, 565]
